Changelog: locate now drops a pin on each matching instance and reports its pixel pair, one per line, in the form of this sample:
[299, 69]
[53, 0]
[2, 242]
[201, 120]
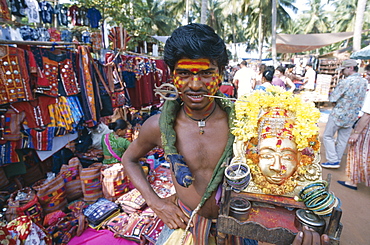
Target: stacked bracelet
[317, 198]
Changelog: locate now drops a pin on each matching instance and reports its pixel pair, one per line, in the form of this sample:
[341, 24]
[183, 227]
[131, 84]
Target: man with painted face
[194, 132]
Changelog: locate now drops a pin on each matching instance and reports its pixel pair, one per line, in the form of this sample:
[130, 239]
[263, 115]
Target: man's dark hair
[195, 41]
[269, 73]
[367, 68]
[281, 69]
[244, 63]
[118, 124]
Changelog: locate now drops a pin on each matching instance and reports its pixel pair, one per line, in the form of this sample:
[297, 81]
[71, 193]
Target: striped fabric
[91, 184]
[40, 140]
[52, 195]
[358, 159]
[204, 230]
[71, 174]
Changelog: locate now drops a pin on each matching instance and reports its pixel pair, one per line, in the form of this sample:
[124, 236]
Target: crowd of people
[244, 78]
[348, 125]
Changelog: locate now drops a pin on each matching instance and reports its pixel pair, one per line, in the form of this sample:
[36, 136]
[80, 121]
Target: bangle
[308, 188]
[305, 195]
[317, 200]
[325, 205]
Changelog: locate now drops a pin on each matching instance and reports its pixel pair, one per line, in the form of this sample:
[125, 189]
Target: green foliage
[234, 20]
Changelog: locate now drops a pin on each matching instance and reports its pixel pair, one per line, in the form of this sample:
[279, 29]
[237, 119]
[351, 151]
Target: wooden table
[271, 219]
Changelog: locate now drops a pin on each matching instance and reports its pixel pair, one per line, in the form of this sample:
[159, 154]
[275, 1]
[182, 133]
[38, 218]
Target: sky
[304, 5]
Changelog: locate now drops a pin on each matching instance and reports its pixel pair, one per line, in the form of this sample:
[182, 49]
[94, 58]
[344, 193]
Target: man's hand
[168, 211]
[310, 237]
[353, 138]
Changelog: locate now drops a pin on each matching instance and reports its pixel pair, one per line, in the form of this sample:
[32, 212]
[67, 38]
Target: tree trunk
[203, 12]
[260, 36]
[361, 4]
[273, 39]
[187, 12]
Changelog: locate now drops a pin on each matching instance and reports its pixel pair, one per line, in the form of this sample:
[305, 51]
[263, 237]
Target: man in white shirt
[244, 79]
[310, 78]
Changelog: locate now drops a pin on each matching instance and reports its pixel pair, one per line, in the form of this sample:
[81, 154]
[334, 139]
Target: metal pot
[308, 218]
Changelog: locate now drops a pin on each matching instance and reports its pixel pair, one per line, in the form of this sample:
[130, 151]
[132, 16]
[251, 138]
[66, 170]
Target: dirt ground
[355, 203]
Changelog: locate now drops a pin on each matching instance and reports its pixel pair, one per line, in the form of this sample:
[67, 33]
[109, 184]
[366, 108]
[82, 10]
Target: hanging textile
[37, 112]
[77, 113]
[16, 66]
[61, 115]
[39, 140]
[88, 88]
[4, 10]
[10, 125]
[8, 153]
[145, 71]
[58, 75]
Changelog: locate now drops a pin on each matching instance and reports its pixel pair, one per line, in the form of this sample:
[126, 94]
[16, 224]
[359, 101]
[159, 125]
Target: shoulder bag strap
[109, 91]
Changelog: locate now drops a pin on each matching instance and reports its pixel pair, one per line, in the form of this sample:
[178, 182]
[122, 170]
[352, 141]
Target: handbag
[24, 202]
[117, 93]
[51, 194]
[116, 87]
[118, 98]
[115, 182]
[71, 174]
[99, 211]
[91, 183]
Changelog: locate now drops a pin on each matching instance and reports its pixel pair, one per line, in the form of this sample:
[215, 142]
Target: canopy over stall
[363, 54]
[296, 43]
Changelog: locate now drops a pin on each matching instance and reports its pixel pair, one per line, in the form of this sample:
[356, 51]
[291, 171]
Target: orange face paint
[213, 85]
[198, 70]
[194, 65]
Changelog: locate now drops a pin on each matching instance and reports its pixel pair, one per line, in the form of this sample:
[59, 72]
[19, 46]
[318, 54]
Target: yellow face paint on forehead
[194, 65]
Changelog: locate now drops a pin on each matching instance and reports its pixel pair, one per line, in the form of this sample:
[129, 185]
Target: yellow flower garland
[248, 108]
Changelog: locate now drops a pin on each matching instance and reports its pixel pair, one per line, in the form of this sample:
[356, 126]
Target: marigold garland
[305, 132]
[248, 108]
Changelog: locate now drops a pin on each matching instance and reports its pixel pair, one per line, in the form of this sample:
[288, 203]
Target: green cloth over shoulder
[168, 135]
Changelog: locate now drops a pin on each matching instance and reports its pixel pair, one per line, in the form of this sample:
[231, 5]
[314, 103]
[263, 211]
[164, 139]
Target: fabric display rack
[60, 86]
[56, 100]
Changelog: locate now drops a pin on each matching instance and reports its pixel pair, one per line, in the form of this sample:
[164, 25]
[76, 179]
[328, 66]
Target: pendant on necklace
[201, 125]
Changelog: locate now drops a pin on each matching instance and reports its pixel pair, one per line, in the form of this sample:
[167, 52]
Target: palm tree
[153, 19]
[315, 20]
[260, 12]
[345, 11]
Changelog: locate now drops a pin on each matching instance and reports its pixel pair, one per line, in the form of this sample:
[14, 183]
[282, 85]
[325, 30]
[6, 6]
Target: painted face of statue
[278, 159]
[278, 155]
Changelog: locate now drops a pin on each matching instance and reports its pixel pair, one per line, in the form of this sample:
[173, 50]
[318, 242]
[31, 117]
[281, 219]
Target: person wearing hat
[348, 97]
[358, 156]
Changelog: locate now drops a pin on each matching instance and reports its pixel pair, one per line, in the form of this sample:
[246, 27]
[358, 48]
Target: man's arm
[236, 83]
[166, 208]
[290, 84]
